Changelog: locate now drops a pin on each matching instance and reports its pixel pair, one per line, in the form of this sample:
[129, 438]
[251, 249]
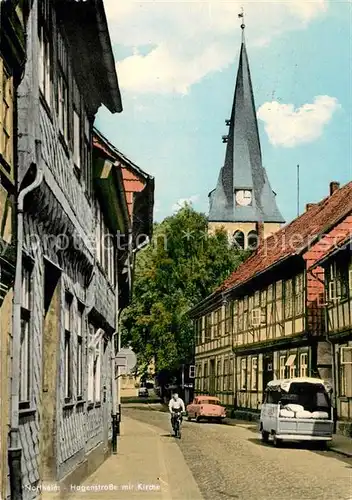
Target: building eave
[85, 27]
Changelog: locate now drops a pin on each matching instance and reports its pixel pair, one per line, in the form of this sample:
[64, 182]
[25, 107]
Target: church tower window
[239, 240]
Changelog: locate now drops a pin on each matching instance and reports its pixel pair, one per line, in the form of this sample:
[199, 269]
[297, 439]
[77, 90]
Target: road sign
[126, 360]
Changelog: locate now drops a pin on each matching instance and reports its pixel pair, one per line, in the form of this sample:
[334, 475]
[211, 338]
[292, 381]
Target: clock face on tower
[243, 197]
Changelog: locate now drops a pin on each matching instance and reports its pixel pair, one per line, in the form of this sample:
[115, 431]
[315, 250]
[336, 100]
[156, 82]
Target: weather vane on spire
[241, 15]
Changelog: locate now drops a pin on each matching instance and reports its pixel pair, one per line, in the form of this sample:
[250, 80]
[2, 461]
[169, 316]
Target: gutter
[15, 450]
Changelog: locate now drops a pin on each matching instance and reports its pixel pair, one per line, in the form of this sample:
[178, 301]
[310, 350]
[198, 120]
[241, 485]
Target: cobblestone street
[230, 462]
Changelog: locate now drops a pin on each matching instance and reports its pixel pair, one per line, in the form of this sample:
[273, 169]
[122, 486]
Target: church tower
[243, 202]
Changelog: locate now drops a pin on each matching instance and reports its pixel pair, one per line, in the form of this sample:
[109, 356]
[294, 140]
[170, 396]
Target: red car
[207, 408]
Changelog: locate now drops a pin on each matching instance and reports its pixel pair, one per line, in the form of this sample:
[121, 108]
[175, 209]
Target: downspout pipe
[332, 348]
[15, 450]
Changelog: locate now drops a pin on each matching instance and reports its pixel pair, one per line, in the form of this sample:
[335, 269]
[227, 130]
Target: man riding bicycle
[176, 405]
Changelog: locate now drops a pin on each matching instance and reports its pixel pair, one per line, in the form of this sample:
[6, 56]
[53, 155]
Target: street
[230, 462]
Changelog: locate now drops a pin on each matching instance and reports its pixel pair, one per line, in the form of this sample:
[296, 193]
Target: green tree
[182, 265]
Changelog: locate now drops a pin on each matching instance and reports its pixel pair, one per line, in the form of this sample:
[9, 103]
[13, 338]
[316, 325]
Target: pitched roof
[243, 167]
[294, 238]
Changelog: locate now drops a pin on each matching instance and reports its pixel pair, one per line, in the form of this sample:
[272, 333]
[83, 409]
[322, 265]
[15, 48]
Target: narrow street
[230, 462]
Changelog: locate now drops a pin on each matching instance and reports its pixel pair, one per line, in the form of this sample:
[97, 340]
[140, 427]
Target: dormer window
[243, 197]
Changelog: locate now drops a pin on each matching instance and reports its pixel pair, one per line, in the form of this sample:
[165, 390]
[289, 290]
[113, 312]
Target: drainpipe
[332, 348]
[333, 376]
[15, 450]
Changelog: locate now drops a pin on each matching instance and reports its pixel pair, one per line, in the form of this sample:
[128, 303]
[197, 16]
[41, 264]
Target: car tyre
[188, 418]
[197, 418]
[265, 436]
[277, 442]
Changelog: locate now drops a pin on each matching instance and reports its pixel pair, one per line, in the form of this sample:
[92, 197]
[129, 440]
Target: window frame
[68, 302]
[243, 374]
[80, 359]
[254, 373]
[25, 364]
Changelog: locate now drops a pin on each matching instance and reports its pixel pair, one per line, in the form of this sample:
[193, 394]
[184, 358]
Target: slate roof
[294, 238]
[243, 167]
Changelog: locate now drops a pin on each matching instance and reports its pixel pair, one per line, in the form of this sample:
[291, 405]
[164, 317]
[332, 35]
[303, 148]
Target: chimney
[334, 186]
[309, 205]
[260, 232]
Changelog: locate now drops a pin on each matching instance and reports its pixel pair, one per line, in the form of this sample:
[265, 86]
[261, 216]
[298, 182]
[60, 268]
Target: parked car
[143, 392]
[207, 408]
[297, 409]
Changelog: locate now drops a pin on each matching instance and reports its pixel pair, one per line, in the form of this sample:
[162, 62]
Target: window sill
[68, 405]
[98, 404]
[25, 412]
[344, 399]
[90, 405]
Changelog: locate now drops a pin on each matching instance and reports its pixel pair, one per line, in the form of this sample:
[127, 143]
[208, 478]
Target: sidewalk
[339, 444]
[149, 465]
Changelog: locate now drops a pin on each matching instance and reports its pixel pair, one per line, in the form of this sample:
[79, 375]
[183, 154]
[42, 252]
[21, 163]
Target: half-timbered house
[338, 316]
[13, 18]
[66, 309]
[266, 321]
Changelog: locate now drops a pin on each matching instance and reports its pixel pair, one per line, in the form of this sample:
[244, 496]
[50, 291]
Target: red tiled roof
[295, 237]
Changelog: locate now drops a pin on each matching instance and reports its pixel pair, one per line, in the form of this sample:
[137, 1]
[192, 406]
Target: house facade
[67, 275]
[266, 321]
[13, 18]
[338, 292]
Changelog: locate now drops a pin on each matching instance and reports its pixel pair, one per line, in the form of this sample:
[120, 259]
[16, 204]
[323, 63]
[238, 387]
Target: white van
[297, 409]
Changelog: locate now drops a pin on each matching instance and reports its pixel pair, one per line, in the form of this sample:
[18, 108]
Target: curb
[340, 452]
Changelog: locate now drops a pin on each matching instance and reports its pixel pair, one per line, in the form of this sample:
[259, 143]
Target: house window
[299, 295]
[291, 364]
[288, 299]
[45, 63]
[218, 375]
[226, 374]
[254, 374]
[345, 369]
[80, 353]
[205, 381]
[86, 155]
[303, 364]
[230, 386]
[97, 372]
[243, 373]
[91, 353]
[208, 328]
[282, 367]
[25, 357]
[105, 247]
[63, 104]
[67, 357]
[228, 318]
[76, 139]
[6, 116]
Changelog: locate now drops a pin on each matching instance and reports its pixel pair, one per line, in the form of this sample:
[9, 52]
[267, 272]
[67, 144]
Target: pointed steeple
[243, 192]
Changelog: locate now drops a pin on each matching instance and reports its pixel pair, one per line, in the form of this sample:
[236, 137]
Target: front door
[268, 368]
[212, 378]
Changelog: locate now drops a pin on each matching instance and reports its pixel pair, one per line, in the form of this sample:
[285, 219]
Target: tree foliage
[182, 265]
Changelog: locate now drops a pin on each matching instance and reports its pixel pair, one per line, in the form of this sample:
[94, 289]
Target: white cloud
[289, 127]
[185, 201]
[174, 44]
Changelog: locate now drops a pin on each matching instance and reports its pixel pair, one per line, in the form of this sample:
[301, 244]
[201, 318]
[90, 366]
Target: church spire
[243, 192]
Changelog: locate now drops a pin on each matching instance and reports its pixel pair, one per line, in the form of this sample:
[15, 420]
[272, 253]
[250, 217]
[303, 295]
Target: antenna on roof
[297, 190]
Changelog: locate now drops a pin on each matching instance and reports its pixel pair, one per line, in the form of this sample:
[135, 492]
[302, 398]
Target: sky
[177, 62]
